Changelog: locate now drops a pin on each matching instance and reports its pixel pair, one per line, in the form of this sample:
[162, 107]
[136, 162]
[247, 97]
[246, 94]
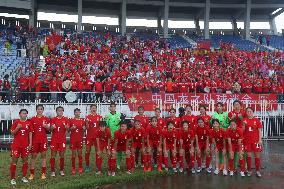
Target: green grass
[85, 180]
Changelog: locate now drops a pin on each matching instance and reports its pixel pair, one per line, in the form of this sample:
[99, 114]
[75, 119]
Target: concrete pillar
[80, 15]
[33, 14]
[206, 19]
[123, 18]
[197, 26]
[166, 19]
[247, 19]
[272, 24]
[235, 26]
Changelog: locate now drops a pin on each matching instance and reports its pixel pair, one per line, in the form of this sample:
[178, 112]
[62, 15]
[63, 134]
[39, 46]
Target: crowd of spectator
[108, 63]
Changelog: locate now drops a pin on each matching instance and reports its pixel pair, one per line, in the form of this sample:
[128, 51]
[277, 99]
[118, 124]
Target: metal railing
[271, 115]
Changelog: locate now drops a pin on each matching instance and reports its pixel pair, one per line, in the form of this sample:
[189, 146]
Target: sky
[149, 23]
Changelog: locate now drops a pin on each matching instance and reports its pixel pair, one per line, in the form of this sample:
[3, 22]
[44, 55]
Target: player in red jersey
[252, 140]
[92, 124]
[59, 126]
[138, 143]
[40, 125]
[203, 144]
[189, 117]
[161, 123]
[235, 145]
[187, 137]
[206, 118]
[237, 114]
[154, 144]
[103, 139]
[218, 136]
[77, 128]
[121, 144]
[170, 145]
[22, 143]
[174, 119]
[144, 120]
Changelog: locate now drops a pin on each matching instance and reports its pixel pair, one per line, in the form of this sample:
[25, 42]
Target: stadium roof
[220, 10]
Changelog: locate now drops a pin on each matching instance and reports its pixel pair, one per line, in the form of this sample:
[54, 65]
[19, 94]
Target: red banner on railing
[151, 100]
[203, 45]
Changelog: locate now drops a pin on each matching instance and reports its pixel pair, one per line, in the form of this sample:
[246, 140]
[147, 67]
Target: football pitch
[69, 181]
[272, 171]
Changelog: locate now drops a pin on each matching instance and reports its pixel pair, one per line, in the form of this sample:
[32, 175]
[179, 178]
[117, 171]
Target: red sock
[32, 171]
[109, 164]
[73, 162]
[137, 156]
[149, 160]
[52, 164]
[80, 162]
[144, 160]
[166, 162]
[174, 162]
[208, 161]
[13, 171]
[248, 163]
[99, 162]
[231, 164]
[192, 161]
[160, 160]
[132, 162]
[113, 164]
[242, 165]
[257, 164]
[43, 170]
[181, 161]
[24, 169]
[61, 164]
[128, 163]
[87, 159]
[198, 161]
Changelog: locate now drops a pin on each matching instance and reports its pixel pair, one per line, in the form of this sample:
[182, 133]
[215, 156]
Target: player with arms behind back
[40, 144]
[58, 127]
[21, 145]
[77, 127]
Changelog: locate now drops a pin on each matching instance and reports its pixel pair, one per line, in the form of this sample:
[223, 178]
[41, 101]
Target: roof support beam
[206, 19]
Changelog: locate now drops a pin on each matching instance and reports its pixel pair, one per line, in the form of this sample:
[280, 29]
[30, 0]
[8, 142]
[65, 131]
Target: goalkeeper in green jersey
[113, 120]
[224, 123]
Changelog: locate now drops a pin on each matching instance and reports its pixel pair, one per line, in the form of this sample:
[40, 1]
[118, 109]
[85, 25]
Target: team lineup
[188, 142]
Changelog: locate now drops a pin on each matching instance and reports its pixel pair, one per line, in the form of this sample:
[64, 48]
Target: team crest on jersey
[254, 122]
[237, 135]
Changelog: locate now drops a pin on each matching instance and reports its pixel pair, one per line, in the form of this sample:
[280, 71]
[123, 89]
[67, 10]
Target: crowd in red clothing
[110, 63]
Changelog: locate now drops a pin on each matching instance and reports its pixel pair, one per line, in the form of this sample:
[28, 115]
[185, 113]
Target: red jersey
[154, 134]
[219, 135]
[77, 134]
[238, 117]
[206, 119]
[176, 121]
[103, 136]
[143, 119]
[21, 138]
[39, 132]
[93, 124]
[121, 138]
[191, 119]
[138, 135]
[170, 136]
[251, 132]
[234, 135]
[161, 123]
[187, 137]
[202, 133]
[59, 132]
